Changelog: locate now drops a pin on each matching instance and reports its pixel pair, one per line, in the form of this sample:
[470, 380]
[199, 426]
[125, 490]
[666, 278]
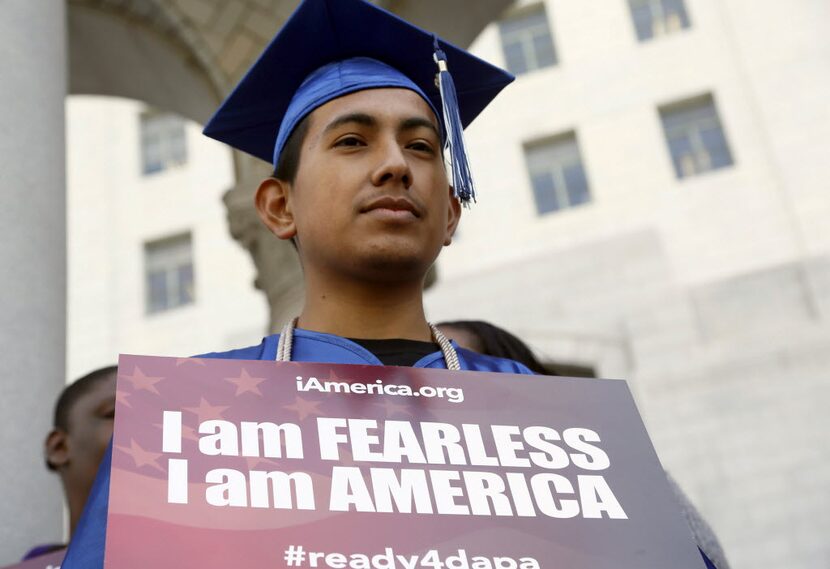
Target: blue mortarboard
[330, 48]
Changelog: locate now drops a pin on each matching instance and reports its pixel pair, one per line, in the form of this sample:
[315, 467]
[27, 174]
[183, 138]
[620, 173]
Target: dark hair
[289, 161]
[498, 342]
[77, 389]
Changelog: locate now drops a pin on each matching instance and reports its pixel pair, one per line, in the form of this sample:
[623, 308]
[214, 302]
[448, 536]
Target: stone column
[279, 274]
[32, 266]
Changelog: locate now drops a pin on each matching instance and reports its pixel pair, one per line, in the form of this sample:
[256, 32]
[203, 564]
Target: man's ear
[56, 449]
[453, 217]
[273, 203]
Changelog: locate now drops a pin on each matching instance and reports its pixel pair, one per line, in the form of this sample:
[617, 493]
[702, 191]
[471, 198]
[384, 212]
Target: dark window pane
[576, 184]
[152, 167]
[169, 268]
[557, 174]
[675, 14]
[513, 26]
[697, 112]
[543, 47]
[642, 21]
[657, 17]
[186, 284]
[544, 192]
[715, 144]
[695, 137]
[515, 57]
[163, 141]
[178, 148]
[151, 150]
[683, 156]
[156, 292]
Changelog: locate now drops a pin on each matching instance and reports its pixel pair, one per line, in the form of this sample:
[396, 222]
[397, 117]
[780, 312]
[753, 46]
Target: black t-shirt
[398, 352]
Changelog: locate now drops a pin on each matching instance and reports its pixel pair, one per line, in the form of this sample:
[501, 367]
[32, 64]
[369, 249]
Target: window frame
[562, 192]
[178, 292]
[658, 13]
[166, 134]
[702, 156]
[527, 39]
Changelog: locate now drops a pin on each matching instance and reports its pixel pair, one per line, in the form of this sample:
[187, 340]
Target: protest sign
[228, 463]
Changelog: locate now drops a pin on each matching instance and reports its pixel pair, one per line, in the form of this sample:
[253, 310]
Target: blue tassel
[454, 149]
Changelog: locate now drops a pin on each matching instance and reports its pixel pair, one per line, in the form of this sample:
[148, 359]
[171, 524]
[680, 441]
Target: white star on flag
[393, 408]
[194, 361]
[245, 383]
[141, 381]
[142, 457]
[205, 411]
[304, 408]
[121, 397]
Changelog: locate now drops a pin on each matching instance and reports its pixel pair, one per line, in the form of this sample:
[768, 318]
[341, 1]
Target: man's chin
[395, 265]
[393, 270]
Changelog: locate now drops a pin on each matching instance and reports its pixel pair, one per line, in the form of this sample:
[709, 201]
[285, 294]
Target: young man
[354, 108]
[348, 104]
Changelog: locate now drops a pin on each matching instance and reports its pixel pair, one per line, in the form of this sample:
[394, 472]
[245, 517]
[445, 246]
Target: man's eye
[350, 141]
[421, 147]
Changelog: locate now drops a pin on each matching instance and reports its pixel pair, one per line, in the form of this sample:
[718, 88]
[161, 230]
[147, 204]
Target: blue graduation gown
[86, 550]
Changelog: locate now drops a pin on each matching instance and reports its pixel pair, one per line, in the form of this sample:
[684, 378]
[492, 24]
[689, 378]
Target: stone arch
[118, 53]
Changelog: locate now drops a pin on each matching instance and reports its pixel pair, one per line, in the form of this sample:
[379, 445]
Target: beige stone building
[151, 268]
[654, 204]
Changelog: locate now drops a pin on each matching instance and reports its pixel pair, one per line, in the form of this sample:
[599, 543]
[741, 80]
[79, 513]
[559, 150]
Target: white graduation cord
[286, 343]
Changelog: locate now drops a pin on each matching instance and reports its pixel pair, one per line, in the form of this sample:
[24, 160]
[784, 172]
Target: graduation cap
[330, 48]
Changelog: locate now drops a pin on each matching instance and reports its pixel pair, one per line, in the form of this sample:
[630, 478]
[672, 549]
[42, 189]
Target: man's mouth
[393, 206]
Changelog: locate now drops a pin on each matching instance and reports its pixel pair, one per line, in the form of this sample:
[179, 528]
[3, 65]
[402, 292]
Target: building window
[655, 18]
[163, 143]
[168, 269]
[527, 42]
[695, 137]
[556, 174]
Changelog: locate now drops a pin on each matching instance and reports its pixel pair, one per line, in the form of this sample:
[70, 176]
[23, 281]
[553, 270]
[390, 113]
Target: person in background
[79, 437]
[486, 338]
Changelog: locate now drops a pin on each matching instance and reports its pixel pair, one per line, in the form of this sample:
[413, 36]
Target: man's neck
[75, 501]
[354, 310]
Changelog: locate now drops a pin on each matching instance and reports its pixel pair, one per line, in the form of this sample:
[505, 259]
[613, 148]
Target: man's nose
[393, 167]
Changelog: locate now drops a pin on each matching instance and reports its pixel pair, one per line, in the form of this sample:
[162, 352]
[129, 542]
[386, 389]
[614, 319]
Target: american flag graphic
[144, 530]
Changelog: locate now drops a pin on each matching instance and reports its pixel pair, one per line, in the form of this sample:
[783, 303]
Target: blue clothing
[325, 348]
[39, 550]
[86, 550]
